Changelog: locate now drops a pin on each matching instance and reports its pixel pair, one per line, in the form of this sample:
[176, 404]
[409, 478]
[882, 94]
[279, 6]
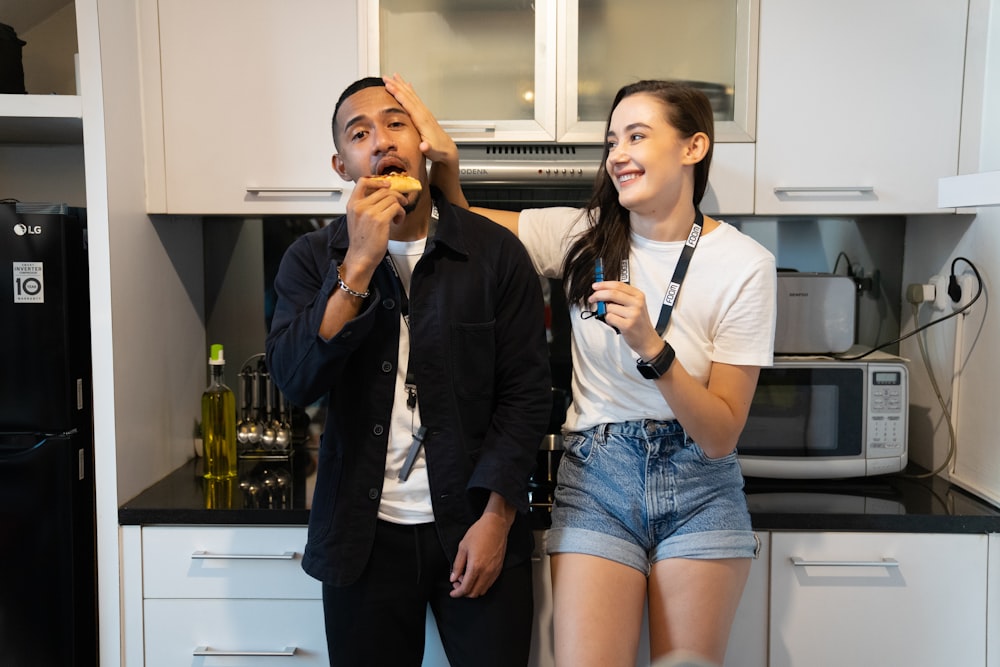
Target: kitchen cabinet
[202, 593]
[222, 591]
[878, 599]
[239, 97]
[548, 70]
[730, 188]
[859, 105]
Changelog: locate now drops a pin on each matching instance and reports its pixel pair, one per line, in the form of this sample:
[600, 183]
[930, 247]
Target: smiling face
[375, 136]
[649, 161]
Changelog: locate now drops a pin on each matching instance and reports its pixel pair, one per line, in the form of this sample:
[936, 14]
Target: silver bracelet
[342, 285]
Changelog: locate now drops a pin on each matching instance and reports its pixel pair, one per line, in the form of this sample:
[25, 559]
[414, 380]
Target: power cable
[954, 291]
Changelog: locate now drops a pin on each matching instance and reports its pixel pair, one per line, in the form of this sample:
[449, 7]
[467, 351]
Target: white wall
[930, 248]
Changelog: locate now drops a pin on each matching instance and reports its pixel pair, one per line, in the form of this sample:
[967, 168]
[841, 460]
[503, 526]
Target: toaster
[815, 313]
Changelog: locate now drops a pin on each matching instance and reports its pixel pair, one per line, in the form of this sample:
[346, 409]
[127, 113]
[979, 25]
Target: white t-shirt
[725, 313]
[406, 502]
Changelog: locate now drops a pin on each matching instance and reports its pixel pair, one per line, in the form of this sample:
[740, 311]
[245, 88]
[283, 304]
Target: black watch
[658, 365]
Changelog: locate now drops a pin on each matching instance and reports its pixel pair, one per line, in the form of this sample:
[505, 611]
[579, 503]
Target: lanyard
[404, 301]
[411, 381]
[679, 272]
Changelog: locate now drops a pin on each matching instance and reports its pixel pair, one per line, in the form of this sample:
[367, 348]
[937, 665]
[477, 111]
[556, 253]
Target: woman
[649, 503]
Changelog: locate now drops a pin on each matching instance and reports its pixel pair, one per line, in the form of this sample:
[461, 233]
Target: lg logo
[21, 229]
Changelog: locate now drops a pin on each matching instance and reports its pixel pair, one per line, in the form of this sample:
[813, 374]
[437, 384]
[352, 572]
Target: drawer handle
[204, 555]
[204, 650]
[292, 190]
[861, 189]
[885, 562]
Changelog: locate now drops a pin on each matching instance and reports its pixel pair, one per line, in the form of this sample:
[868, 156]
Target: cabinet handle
[885, 562]
[860, 189]
[204, 650]
[204, 555]
[468, 129]
[292, 190]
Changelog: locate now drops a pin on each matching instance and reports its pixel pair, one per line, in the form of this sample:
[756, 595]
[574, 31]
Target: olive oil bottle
[218, 421]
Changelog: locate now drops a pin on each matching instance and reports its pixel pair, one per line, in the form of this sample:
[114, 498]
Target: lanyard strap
[404, 301]
[411, 381]
[674, 288]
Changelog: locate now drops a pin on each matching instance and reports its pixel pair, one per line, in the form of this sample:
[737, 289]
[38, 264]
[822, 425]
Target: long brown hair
[607, 236]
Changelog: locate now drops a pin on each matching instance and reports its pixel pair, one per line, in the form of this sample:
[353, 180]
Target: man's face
[375, 136]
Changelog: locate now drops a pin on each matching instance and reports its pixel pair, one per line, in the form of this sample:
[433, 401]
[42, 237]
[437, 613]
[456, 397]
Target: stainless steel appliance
[815, 313]
[517, 176]
[48, 612]
[817, 417]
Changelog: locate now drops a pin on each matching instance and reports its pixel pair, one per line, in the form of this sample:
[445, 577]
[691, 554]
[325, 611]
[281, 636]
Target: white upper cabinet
[544, 70]
[859, 104]
[239, 96]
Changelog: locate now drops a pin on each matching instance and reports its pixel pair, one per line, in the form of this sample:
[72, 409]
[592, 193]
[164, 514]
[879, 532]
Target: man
[422, 325]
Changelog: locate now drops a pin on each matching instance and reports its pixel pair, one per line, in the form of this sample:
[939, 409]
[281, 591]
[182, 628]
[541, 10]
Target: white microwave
[817, 418]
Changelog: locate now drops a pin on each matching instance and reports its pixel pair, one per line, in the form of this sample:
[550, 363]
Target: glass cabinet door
[485, 68]
[544, 70]
[711, 43]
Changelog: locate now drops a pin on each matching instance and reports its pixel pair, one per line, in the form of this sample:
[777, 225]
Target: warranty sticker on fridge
[29, 282]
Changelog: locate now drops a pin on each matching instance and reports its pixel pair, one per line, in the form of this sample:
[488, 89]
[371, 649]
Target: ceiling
[23, 15]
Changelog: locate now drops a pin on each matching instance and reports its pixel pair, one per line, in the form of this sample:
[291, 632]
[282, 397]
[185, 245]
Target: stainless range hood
[529, 164]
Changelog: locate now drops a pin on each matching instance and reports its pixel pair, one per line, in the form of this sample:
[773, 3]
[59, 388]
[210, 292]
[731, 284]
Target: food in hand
[400, 182]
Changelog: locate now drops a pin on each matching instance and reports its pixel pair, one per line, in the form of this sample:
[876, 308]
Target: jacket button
[386, 366]
[389, 304]
[377, 429]
[372, 493]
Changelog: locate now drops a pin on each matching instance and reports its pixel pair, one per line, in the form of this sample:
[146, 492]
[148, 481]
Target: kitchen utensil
[283, 428]
[253, 422]
[253, 493]
[268, 435]
[269, 485]
[284, 483]
[243, 426]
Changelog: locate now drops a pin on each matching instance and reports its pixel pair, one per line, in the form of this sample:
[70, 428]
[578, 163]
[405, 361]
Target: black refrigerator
[48, 589]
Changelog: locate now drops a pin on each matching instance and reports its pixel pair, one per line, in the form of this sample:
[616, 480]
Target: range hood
[529, 164]
[970, 190]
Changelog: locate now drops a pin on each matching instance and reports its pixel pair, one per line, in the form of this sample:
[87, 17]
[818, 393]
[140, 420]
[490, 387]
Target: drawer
[261, 633]
[225, 562]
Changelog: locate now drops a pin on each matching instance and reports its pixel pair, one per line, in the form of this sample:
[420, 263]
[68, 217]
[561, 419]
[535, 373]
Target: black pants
[380, 619]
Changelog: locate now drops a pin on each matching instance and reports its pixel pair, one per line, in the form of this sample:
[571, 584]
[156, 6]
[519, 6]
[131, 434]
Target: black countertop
[889, 503]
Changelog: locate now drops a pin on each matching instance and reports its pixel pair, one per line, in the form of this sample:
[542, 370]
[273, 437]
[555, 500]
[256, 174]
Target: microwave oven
[814, 418]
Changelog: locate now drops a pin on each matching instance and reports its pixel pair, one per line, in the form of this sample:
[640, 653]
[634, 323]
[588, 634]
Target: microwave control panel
[888, 402]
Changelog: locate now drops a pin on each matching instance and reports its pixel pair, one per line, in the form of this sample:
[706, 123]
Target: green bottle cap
[216, 357]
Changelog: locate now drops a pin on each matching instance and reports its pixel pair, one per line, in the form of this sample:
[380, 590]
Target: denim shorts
[641, 491]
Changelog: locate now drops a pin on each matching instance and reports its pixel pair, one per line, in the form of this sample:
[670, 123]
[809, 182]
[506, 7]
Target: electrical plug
[961, 290]
[941, 300]
[917, 293]
[954, 289]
